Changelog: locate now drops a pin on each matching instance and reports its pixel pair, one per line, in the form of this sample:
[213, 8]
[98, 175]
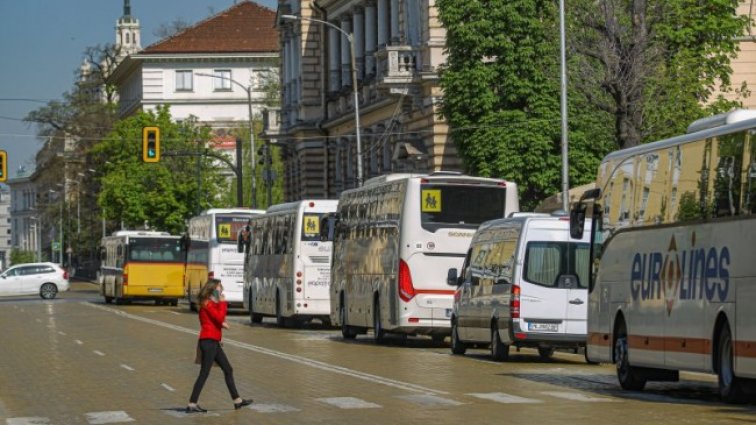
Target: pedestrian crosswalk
[347, 403]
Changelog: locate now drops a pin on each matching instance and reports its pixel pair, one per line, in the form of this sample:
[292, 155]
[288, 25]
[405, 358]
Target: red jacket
[211, 317]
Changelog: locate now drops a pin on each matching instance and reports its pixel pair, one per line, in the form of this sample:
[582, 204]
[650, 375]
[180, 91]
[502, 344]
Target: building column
[358, 36]
[383, 22]
[370, 38]
[394, 21]
[334, 60]
[346, 60]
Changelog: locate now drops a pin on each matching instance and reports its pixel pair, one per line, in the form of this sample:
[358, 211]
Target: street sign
[56, 246]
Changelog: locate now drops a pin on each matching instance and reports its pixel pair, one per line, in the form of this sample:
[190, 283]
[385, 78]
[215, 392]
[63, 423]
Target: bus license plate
[448, 312]
[155, 290]
[543, 327]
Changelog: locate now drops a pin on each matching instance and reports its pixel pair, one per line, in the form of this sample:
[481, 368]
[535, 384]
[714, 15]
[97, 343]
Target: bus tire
[174, 302]
[588, 360]
[108, 300]
[347, 332]
[280, 319]
[628, 376]
[253, 317]
[379, 335]
[731, 388]
[499, 350]
[457, 346]
[192, 306]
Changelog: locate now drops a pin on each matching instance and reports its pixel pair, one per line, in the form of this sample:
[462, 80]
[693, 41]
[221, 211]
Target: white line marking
[98, 352]
[284, 356]
[127, 367]
[61, 333]
[167, 387]
[348, 403]
[429, 400]
[504, 398]
[272, 408]
[576, 396]
[27, 421]
[78, 341]
[176, 313]
[115, 417]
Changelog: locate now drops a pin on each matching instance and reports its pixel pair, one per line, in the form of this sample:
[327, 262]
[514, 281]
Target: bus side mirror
[577, 220]
[452, 277]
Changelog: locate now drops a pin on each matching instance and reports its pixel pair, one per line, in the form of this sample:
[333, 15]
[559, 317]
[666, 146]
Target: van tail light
[514, 302]
[406, 290]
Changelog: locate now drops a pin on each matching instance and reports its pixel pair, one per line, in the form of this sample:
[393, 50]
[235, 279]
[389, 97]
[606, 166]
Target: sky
[42, 44]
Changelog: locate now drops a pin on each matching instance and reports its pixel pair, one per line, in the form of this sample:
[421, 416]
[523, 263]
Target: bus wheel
[730, 386]
[379, 335]
[627, 375]
[499, 350]
[108, 300]
[347, 332]
[545, 352]
[254, 317]
[280, 320]
[588, 360]
[192, 306]
[457, 346]
[174, 302]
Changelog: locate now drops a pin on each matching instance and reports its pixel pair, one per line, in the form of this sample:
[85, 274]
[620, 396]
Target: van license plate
[543, 327]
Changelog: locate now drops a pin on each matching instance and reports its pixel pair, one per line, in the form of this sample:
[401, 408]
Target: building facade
[398, 47]
[5, 227]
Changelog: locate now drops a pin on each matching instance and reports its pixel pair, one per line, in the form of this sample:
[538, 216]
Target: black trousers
[212, 352]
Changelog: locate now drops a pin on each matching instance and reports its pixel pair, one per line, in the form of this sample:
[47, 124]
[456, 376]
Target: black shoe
[242, 403]
[195, 409]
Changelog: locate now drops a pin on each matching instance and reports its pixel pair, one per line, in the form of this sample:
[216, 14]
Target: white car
[44, 279]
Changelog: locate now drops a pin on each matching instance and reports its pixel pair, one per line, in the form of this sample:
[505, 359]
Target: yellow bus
[141, 265]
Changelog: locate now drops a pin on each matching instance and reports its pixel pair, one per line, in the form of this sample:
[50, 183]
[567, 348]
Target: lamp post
[350, 38]
[248, 89]
[60, 228]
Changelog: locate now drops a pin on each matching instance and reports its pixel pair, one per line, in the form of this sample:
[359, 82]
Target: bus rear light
[299, 281]
[312, 204]
[299, 274]
[514, 302]
[299, 289]
[406, 290]
[305, 305]
[414, 320]
[125, 279]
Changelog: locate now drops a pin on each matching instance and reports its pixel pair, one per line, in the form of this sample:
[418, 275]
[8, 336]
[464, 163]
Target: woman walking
[212, 317]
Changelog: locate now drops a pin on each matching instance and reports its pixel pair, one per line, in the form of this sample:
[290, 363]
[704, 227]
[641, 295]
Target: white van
[524, 283]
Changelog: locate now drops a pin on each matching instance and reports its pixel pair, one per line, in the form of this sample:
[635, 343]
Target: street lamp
[248, 89]
[60, 229]
[350, 38]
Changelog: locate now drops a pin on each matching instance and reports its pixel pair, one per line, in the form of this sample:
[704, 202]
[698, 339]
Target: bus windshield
[444, 206]
[155, 250]
[227, 226]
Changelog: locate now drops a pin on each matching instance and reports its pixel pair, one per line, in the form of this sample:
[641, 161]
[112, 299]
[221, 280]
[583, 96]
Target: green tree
[163, 194]
[19, 256]
[652, 64]
[501, 96]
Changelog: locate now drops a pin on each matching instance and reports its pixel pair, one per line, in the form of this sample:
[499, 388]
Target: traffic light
[151, 144]
[3, 166]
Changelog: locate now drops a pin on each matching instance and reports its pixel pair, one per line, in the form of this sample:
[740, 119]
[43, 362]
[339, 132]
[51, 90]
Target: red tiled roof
[246, 27]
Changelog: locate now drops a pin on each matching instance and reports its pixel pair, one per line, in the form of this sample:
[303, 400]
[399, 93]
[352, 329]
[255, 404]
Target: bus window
[449, 206]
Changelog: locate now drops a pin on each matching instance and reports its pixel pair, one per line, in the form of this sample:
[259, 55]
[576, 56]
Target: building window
[222, 79]
[183, 80]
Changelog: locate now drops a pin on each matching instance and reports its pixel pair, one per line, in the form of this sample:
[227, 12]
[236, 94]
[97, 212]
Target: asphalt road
[76, 360]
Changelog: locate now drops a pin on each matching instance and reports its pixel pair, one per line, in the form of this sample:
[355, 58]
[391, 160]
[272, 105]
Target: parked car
[524, 283]
[44, 279]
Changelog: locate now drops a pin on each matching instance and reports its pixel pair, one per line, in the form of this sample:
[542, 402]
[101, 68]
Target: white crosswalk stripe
[504, 398]
[348, 403]
[429, 400]
[28, 421]
[272, 408]
[114, 417]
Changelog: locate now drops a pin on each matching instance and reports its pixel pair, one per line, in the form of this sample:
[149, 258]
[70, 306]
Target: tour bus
[212, 252]
[141, 265]
[524, 283]
[395, 239]
[287, 267]
[673, 279]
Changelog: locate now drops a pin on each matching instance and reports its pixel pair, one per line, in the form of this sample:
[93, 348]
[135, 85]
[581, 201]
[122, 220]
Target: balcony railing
[396, 64]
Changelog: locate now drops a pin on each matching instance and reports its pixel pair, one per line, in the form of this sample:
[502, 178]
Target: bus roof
[231, 211]
[702, 129]
[445, 176]
[295, 205]
[140, 233]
